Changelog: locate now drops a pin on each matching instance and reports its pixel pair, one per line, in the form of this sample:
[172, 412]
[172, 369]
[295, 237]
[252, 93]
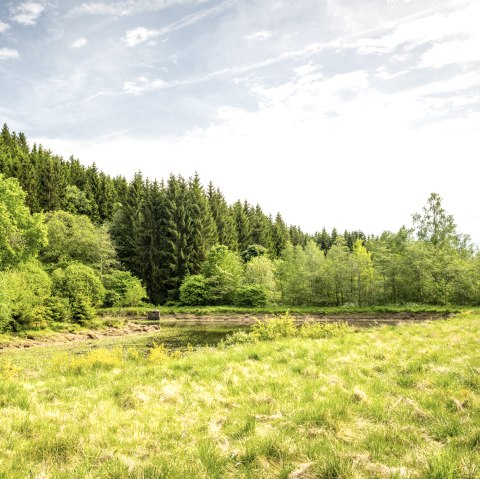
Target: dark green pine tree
[120, 185]
[222, 215]
[106, 197]
[7, 163]
[334, 235]
[280, 236]
[92, 192]
[297, 236]
[28, 179]
[126, 226]
[51, 180]
[76, 173]
[244, 233]
[202, 229]
[323, 240]
[260, 227]
[153, 248]
[176, 234]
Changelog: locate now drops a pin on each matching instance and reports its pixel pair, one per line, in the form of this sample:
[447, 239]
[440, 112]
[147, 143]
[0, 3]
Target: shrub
[274, 328]
[324, 330]
[238, 337]
[79, 281]
[23, 293]
[284, 327]
[81, 310]
[58, 309]
[194, 291]
[123, 289]
[251, 295]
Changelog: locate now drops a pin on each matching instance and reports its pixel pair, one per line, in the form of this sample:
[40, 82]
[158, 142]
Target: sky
[336, 113]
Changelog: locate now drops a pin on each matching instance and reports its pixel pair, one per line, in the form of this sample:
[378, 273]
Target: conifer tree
[222, 215]
[260, 227]
[153, 247]
[176, 227]
[127, 223]
[244, 234]
[280, 236]
[202, 230]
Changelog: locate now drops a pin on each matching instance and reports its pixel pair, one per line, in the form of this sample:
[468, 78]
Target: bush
[23, 293]
[79, 282]
[123, 289]
[284, 327]
[238, 337]
[251, 296]
[324, 330]
[274, 328]
[81, 310]
[194, 291]
[58, 309]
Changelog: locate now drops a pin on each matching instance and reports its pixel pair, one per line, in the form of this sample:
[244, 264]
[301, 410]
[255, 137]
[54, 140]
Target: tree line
[187, 245]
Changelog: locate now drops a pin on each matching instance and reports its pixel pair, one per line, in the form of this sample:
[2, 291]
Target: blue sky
[335, 113]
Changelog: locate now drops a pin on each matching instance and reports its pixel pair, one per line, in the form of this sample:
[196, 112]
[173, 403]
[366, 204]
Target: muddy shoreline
[141, 326]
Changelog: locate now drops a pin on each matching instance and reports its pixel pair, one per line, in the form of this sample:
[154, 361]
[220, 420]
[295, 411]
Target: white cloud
[27, 13]
[139, 35]
[437, 27]
[142, 85]
[79, 43]
[3, 27]
[260, 36]
[451, 52]
[130, 7]
[8, 54]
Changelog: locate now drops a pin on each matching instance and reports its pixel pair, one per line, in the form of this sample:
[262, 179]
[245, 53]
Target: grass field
[384, 402]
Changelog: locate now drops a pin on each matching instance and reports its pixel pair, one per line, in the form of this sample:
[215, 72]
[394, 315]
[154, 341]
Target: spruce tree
[202, 230]
[222, 215]
[152, 247]
[280, 236]
[127, 223]
[244, 234]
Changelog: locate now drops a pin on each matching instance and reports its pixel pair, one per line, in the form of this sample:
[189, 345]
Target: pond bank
[132, 326]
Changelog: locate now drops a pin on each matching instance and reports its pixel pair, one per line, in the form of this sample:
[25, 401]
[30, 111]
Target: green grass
[384, 402]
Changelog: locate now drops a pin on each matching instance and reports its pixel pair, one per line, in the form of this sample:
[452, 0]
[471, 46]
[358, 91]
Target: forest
[73, 238]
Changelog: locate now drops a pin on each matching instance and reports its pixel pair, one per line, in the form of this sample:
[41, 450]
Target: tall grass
[385, 402]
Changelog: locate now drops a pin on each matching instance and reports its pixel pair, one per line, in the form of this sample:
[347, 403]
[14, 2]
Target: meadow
[382, 402]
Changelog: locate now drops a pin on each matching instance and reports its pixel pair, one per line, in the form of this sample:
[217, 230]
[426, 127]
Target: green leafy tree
[23, 295]
[338, 273]
[74, 238]
[78, 282]
[21, 233]
[195, 291]
[291, 274]
[123, 289]
[363, 272]
[223, 270]
[435, 226]
[260, 272]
